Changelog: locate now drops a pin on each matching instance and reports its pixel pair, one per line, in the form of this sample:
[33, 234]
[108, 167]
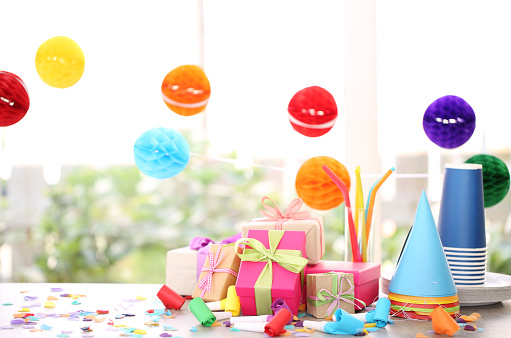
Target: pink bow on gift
[205, 283]
[292, 212]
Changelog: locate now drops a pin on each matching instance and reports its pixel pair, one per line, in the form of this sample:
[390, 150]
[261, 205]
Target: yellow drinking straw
[371, 202]
[359, 207]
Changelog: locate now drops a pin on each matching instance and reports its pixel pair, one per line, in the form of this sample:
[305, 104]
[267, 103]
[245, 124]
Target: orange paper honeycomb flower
[314, 186]
[186, 90]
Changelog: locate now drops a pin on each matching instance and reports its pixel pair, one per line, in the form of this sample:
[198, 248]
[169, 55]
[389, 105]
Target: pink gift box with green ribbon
[271, 267]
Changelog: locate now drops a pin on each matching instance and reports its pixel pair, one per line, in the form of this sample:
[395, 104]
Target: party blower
[344, 323]
[379, 316]
[231, 303]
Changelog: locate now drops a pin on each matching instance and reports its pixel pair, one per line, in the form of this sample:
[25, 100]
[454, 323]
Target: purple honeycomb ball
[449, 122]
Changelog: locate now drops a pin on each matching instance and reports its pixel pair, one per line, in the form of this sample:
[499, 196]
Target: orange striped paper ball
[315, 187]
[186, 90]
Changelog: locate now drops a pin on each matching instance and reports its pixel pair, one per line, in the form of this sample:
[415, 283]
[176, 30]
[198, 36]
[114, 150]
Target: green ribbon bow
[290, 260]
[335, 297]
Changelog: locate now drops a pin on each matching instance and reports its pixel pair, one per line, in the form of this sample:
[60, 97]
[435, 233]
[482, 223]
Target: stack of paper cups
[461, 224]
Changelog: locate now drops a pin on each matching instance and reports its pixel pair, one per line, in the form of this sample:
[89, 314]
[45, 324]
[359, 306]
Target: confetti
[420, 335]
[151, 323]
[76, 302]
[301, 334]
[66, 332]
[140, 298]
[470, 328]
[193, 329]
[301, 314]
[17, 321]
[119, 325]
[369, 325]
[289, 327]
[475, 314]
[139, 331]
[165, 334]
[227, 323]
[128, 314]
[25, 291]
[167, 327]
[25, 309]
[28, 326]
[45, 327]
[7, 327]
[216, 324]
[52, 298]
[49, 304]
[36, 330]
[99, 320]
[299, 323]
[56, 289]
[102, 312]
[35, 304]
[234, 329]
[7, 304]
[63, 335]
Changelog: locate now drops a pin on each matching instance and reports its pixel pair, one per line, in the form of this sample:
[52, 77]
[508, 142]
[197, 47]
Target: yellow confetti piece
[119, 325]
[90, 317]
[140, 298]
[98, 320]
[75, 296]
[295, 318]
[36, 330]
[167, 316]
[139, 331]
[305, 329]
[25, 309]
[52, 298]
[369, 324]
[216, 324]
[49, 304]
[152, 323]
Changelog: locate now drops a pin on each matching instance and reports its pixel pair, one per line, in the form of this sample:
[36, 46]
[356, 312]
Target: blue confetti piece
[7, 304]
[76, 302]
[45, 327]
[371, 329]
[193, 329]
[479, 329]
[32, 318]
[155, 318]
[289, 327]
[301, 314]
[234, 329]
[168, 313]
[63, 335]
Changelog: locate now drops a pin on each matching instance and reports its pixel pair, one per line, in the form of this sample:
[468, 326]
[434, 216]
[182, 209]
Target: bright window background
[256, 59]
[426, 50]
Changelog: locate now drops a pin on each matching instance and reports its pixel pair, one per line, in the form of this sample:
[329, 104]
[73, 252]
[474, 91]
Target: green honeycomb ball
[495, 178]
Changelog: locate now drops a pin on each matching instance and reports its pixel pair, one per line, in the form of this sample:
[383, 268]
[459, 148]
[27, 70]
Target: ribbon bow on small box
[205, 283]
[337, 297]
[292, 212]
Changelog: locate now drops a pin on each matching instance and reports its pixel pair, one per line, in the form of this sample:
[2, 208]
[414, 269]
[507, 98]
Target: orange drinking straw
[355, 250]
[371, 202]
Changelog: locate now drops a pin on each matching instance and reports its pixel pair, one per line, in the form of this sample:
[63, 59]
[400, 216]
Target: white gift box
[182, 270]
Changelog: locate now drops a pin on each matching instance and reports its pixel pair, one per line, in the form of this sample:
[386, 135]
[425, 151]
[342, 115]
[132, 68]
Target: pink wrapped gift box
[285, 284]
[294, 220]
[366, 277]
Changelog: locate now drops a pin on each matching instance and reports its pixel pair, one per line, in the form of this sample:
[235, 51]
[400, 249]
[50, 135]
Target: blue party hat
[422, 269]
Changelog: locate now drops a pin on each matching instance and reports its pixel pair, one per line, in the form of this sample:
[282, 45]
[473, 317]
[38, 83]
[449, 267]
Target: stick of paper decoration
[360, 221]
[201, 311]
[355, 250]
[370, 206]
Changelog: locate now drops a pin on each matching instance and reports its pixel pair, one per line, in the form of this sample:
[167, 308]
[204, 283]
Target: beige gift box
[330, 285]
[182, 270]
[227, 259]
[313, 228]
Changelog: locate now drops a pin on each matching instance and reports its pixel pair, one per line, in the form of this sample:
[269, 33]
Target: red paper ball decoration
[312, 111]
[14, 100]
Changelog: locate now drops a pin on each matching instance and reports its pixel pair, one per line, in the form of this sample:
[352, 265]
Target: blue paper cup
[461, 219]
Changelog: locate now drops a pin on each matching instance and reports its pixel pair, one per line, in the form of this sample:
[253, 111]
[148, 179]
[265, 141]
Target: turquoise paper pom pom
[161, 153]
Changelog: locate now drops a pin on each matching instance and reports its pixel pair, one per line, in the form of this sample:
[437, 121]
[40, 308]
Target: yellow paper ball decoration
[60, 62]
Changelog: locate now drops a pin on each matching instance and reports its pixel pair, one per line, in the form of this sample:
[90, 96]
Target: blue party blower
[344, 323]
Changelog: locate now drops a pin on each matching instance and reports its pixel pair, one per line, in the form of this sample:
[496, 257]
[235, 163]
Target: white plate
[496, 289]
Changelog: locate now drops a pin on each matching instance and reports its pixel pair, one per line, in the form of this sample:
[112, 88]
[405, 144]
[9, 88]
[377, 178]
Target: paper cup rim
[468, 272]
[466, 259]
[469, 166]
[482, 265]
[450, 248]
